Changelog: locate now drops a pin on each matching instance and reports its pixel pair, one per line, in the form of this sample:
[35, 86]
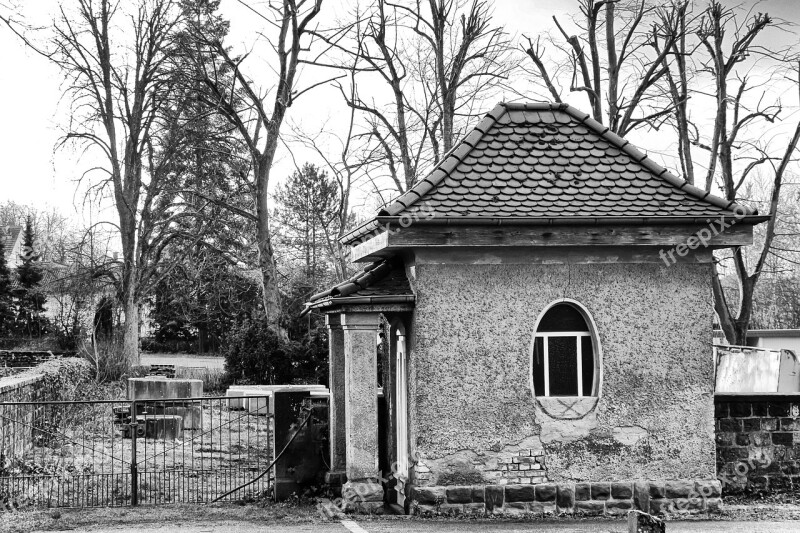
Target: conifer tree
[30, 300]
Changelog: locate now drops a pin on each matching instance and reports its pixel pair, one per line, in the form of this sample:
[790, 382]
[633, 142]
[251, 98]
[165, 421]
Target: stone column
[337, 401]
[363, 491]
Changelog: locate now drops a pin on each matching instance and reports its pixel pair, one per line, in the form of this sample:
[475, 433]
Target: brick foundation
[758, 443]
[617, 498]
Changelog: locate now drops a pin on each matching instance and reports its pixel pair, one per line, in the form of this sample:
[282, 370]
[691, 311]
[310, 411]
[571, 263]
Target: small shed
[547, 290]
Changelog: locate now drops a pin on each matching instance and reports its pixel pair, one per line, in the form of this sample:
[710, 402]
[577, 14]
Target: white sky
[32, 113]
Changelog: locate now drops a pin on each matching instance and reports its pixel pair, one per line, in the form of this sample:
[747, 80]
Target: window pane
[563, 361]
[587, 362]
[538, 367]
[562, 317]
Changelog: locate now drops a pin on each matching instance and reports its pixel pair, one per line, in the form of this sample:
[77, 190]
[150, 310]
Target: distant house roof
[9, 235]
[379, 282]
[554, 163]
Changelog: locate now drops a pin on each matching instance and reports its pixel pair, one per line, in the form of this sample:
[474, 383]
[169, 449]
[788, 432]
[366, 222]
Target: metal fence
[117, 453]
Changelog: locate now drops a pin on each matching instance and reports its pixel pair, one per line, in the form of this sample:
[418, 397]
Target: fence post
[134, 426]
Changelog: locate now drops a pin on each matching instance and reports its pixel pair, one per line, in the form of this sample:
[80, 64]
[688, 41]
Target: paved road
[183, 360]
[416, 526]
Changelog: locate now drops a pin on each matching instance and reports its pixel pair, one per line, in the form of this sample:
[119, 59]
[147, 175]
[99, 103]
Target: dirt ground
[293, 518]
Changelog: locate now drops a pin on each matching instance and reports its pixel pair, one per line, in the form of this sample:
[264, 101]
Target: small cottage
[547, 296]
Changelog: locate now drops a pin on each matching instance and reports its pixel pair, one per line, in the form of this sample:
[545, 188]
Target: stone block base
[362, 497]
[581, 499]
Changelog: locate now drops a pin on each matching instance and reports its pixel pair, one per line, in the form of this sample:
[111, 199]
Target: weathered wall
[473, 410]
[758, 443]
[16, 421]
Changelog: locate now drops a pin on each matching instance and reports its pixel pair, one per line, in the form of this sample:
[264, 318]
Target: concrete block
[192, 415]
[163, 427]
[161, 388]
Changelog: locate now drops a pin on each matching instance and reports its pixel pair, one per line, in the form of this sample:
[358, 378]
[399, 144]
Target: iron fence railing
[116, 453]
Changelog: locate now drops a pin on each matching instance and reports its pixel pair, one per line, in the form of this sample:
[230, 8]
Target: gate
[118, 453]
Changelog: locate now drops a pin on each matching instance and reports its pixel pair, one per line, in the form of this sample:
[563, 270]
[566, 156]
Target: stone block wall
[16, 421]
[590, 499]
[28, 358]
[758, 443]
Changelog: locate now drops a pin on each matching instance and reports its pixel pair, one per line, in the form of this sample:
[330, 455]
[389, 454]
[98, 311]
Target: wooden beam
[424, 235]
[365, 251]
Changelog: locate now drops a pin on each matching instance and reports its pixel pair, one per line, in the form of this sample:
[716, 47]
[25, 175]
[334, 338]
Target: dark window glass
[538, 367]
[562, 354]
[587, 362]
[562, 317]
[563, 364]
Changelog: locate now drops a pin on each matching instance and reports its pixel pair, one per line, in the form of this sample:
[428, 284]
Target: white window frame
[577, 335]
[596, 348]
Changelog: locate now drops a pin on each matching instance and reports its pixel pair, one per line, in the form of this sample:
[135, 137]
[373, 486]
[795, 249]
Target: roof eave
[331, 301]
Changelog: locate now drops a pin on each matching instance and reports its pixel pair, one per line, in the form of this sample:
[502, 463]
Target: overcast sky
[32, 113]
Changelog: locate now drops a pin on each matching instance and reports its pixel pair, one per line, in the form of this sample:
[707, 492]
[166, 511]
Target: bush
[256, 354]
[154, 345]
[65, 379]
[105, 357]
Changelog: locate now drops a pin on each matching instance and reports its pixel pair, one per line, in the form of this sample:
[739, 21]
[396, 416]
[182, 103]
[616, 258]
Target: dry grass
[60, 520]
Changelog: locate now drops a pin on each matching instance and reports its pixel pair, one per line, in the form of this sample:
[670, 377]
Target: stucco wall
[472, 408]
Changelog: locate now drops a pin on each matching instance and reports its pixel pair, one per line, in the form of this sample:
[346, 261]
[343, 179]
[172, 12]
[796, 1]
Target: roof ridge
[647, 162]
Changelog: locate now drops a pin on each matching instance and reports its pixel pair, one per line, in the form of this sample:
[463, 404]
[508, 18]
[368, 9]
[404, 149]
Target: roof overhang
[386, 236]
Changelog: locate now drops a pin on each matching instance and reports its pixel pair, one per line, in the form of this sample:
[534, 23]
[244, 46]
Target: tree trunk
[266, 256]
[130, 339]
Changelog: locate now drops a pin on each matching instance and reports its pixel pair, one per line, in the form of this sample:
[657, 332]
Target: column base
[363, 497]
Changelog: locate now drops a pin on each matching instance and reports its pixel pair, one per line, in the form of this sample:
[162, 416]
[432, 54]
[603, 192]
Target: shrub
[105, 356]
[256, 354]
[65, 379]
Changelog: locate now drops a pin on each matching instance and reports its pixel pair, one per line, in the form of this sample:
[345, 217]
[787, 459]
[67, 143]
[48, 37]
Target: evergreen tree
[6, 301]
[30, 300]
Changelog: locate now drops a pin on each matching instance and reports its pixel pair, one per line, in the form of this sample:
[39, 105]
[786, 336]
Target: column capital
[369, 321]
[333, 320]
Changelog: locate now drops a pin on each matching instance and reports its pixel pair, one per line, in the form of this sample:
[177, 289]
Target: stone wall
[593, 499]
[16, 422]
[758, 443]
[28, 358]
[472, 409]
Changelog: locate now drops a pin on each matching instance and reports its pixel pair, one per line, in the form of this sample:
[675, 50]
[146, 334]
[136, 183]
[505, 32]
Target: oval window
[564, 353]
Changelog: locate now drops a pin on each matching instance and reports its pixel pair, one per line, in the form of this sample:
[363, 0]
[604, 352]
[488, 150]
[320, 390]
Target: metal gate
[118, 453]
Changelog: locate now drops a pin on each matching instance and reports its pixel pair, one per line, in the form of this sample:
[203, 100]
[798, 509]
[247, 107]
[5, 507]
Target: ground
[292, 518]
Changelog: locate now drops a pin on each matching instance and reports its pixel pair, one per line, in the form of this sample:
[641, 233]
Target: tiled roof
[551, 161]
[9, 236]
[377, 281]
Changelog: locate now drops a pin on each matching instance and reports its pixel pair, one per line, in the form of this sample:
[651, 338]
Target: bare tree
[436, 62]
[617, 59]
[647, 65]
[737, 148]
[258, 115]
[124, 101]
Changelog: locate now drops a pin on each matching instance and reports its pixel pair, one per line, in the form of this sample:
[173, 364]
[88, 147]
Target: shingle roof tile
[552, 160]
